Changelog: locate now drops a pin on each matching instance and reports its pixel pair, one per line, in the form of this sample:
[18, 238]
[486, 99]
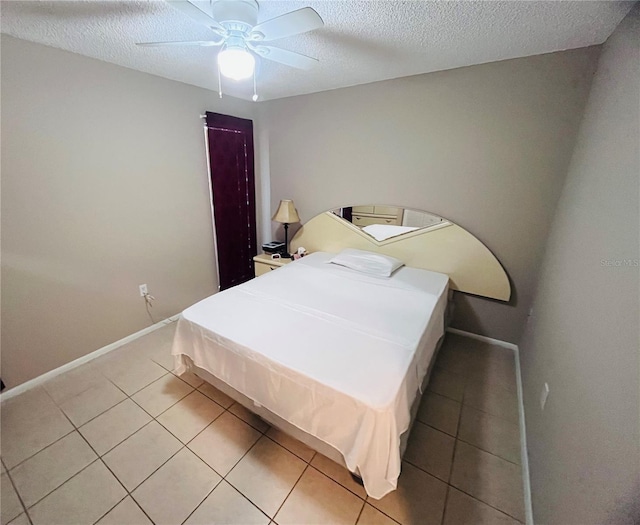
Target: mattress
[339, 354]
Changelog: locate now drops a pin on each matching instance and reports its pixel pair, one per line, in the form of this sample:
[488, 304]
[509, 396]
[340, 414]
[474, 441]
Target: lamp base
[286, 254]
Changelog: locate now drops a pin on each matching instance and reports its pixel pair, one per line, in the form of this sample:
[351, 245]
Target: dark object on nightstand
[273, 247]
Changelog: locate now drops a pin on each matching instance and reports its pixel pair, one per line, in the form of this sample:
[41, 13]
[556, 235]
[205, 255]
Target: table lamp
[286, 214]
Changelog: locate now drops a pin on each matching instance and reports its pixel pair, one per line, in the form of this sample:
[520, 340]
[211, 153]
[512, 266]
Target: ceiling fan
[234, 24]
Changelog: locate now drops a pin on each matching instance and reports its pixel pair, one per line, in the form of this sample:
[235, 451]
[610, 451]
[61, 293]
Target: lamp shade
[286, 213]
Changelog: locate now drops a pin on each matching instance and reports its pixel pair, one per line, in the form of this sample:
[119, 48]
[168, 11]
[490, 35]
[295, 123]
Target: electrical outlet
[143, 290]
[544, 395]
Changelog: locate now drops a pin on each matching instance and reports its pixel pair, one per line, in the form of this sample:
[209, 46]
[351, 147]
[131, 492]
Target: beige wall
[485, 146]
[583, 338]
[104, 187]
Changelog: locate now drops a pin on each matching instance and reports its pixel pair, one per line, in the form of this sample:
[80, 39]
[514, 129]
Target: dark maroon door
[233, 194]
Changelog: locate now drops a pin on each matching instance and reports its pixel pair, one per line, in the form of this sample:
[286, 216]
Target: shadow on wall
[466, 307]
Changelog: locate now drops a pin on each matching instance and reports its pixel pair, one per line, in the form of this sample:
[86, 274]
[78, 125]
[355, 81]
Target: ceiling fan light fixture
[236, 63]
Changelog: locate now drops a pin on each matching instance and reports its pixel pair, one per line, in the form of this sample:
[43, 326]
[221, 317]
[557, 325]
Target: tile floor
[121, 440]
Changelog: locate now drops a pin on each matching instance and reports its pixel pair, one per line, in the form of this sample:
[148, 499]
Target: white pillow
[367, 262]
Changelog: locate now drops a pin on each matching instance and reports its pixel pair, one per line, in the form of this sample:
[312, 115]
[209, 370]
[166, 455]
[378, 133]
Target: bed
[332, 356]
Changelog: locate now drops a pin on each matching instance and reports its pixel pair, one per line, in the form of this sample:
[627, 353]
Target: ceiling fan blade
[198, 15]
[293, 23]
[203, 43]
[289, 58]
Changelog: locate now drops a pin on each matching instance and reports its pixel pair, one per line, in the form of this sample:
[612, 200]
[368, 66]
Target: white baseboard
[524, 457]
[484, 338]
[12, 392]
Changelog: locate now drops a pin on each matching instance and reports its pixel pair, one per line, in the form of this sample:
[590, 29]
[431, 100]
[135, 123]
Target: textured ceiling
[362, 41]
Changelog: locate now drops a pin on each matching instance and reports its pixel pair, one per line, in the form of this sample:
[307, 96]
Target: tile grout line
[245, 497]
[487, 504]
[289, 493]
[141, 388]
[435, 428]
[43, 448]
[74, 429]
[336, 481]
[205, 498]
[72, 397]
[364, 502]
[246, 422]
[15, 489]
[488, 452]
[491, 414]
[461, 401]
[493, 388]
[140, 507]
[169, 407]
[128, 494]
[182, 447]
[457, 438]
[118, 503]
[308, 464]
[381, 511]
[360, 513]
[223, 478]
[453, 457]
[427, 472]
[236, 463]
[99, 458]
[198, 433]
[511, 422]
[64, 483]
[455, 445]
[291, 451]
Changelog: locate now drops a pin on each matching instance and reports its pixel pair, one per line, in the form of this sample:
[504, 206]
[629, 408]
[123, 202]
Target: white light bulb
[236, 63]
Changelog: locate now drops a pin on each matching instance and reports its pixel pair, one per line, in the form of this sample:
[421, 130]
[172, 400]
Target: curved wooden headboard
[444, 248]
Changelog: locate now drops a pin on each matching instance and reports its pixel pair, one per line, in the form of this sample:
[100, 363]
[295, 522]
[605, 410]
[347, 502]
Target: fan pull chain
[255, 91]
[219, 80]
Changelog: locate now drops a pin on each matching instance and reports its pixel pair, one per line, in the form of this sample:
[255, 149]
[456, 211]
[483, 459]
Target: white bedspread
[338, 354]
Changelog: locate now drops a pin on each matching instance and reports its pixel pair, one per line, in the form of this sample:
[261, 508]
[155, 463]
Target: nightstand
[264, 263]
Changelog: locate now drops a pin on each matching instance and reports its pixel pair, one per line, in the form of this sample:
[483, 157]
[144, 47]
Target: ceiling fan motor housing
[236, 15]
